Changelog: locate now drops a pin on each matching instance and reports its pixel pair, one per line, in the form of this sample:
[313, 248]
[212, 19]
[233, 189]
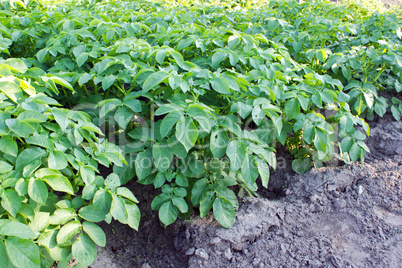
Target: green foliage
[49, 188]
[192, 98]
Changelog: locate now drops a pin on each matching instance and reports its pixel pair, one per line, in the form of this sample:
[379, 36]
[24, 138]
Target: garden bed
[335, 216]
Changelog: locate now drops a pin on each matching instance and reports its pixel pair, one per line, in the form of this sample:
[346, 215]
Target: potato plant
[192, 98]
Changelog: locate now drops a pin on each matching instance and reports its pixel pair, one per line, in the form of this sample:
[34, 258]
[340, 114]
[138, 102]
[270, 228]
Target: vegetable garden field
[184, 114]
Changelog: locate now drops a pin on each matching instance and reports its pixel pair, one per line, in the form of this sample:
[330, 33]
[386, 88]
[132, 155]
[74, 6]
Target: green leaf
[380, 108]
[304, 102]
[84, 250]
[5, 167]
[206, 203]
[263, 170]
[17, 65]
[108, 81]
[47, 172]
[143, 164]
[181, 180]
[5, 261]
[61, 82]
[78, 50]
[112, 181]
[236, 151]
[258, 115]
[180, 192]
[163, 156]
[168, 108]
[308, 134]
[346, 143]
[57, 160]
[217, 58]
[59, 183]
[354, 152]
[220, 85]
[67, 233]
[22, 129]
[342, 97]
[103, 200]
[124, 192]
[61, 118]
[11, 90]
[249, 170]
[154, 80]
[95, 233]
[184, 43]
[22, 252]
[180, 203]
[134, 215]
[31, 117]
[398, 86]
[29, 158]
[159, 200]
[346, 72]
[15, 228]
[49, 240]
[82, 58]
[118, 210]
[132, 103]
[159, 180]
[233, 84]
[34, 72]
[301, 165]
[168, 122]
[186, 132]
[224, 212]
[8, 146]
[168, 213]
[201, 117]
[160, 56]
[91, 128]
[369, 98]
[123, 116]
[320, 140]
[40, 140]
[62, 216]
[321, 55]
[88, 192]
[177, 148]
[21, 186]
[219, 142]
[197, 166]
[179, 60]
[87, 174]
[292, 108]
[38, 191]
[228, 195]
[396, 113]
[92, 213]
[241, 108]
[231, 124]
[84, 78]
[40, 222]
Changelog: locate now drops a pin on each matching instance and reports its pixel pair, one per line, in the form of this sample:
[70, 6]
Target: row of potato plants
[192, 98]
